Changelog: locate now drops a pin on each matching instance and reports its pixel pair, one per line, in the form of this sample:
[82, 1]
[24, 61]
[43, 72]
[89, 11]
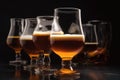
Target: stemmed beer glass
[104, 31]
[27, 44]
[67, 37]
[91, 42]
[16, 29]
[41, 39]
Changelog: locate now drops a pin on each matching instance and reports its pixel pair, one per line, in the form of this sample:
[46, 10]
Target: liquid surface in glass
[42, 40]
[28, 45]
[67, 46]
[14, 43]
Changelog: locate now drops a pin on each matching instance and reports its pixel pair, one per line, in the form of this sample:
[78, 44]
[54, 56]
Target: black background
[90, 9]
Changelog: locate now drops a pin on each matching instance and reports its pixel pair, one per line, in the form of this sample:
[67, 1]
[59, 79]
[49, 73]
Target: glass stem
[18, 55]
[33, 61]
[47, 61]
[41, 60]
[67, 64]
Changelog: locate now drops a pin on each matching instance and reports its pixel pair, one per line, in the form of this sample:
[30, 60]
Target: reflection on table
[10, 72]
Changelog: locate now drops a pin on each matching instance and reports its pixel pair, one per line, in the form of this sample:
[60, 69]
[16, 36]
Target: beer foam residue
[56, 33]
[26, 37]
[41, 33]
[90, 43]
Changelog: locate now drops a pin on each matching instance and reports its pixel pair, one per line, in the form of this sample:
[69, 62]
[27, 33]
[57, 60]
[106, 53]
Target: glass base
[49, 71]
[18, 62]
[45, 71]
[66, 72]
[30, 67]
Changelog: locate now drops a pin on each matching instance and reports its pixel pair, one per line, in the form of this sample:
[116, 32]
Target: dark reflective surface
[10, 72]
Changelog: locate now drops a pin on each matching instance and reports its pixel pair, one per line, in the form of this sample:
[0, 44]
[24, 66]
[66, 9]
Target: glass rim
[31, 19]
[70, 9]
[17, 19]
[94, 20]
[99, 21]
[44, 18]
[47, 16]
[87, 24]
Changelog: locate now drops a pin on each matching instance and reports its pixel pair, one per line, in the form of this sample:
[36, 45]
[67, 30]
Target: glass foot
[45, 71]
[66, 72]
[30, 67]
[17, 62]
[49, 71]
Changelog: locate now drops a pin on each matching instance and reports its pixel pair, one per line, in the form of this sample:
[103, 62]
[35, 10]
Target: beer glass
[91, 42]
[16, 29]
[41, 39]
[102, 54]
[27, 42]
[67, 38]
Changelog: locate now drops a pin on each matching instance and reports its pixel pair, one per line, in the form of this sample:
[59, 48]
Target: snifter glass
[104, 31]
[41, 39]
[91, 42]
[16, 29]
[27, 44]
[67, 37]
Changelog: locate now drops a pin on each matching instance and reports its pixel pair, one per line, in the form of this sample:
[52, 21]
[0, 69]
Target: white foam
[90, 43]
[26, 37]
[41, 33]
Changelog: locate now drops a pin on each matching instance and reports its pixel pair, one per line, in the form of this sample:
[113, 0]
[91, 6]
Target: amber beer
[28, 45]
[67, 46]
[42, 40]
[14, 42]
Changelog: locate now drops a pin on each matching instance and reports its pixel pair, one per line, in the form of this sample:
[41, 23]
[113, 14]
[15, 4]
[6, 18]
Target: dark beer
[28, 45]
[67, 45]
[42, 40]
[90, 46]
[14, 43]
